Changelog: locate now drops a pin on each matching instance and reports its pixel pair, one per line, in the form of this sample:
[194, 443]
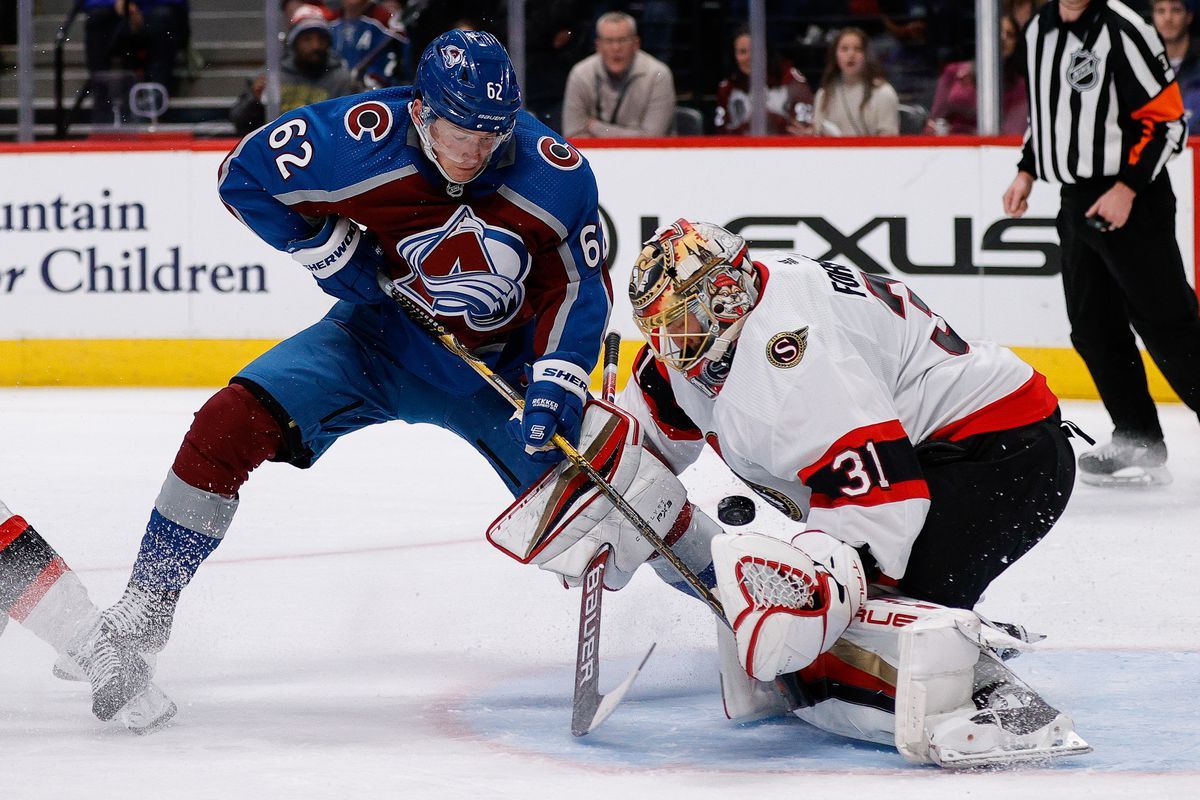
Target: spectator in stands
[906, 51]
[106, 44]
[955, 102]
[124, 36]
[1172, 19]
[372, 42]
[1021, 10]
[854, 98]
[288, 8]
[310, 72]
[620, 91]
[789, 98]
[556, 38]
[164, 31]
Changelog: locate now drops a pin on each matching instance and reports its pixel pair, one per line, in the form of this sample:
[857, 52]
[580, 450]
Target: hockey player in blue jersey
[479, 214]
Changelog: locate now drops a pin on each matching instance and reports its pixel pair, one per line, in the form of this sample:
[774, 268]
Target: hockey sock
[185, 526]
[37, 588]
[231, 435]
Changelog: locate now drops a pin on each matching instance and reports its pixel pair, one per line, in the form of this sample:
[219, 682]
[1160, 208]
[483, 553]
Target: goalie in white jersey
[846, 402]
[919, 466]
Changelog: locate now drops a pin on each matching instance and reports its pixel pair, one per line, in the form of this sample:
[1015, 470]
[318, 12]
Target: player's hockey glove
[344, 259]
[553, 404]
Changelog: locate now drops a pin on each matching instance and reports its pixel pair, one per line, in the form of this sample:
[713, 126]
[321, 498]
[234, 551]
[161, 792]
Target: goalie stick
[577, 459]
[589, 708]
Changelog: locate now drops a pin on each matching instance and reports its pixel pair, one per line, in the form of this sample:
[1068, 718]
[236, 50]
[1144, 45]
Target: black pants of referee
[1130, 276]
[992, 497]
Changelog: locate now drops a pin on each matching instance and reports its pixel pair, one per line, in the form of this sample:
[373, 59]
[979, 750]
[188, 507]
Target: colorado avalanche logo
[452, 55]
[371, 118]
[559, 154]
[467, 268]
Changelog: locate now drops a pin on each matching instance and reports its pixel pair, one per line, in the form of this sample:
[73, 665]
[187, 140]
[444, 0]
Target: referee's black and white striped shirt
[1103, 100]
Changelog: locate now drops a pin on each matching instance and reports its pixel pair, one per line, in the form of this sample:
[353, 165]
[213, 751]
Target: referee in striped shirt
[1105, 116]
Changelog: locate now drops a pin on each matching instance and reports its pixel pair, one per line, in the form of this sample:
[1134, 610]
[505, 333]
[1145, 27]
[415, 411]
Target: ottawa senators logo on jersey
[371, 118]
[466, 268]
[785, 349]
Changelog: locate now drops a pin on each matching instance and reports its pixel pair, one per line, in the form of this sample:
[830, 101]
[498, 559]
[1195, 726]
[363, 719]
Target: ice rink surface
[355, 636]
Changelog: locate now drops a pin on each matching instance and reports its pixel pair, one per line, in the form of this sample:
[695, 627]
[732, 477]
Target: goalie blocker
[563, 519]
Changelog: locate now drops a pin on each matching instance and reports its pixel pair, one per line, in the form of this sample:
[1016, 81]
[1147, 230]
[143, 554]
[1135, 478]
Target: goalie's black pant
[992, 497]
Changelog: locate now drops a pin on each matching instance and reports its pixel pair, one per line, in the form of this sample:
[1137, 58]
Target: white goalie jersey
[837, 376]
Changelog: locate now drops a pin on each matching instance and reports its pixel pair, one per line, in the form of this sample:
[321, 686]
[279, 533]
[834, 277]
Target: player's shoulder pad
[551, 172]
[333, 144]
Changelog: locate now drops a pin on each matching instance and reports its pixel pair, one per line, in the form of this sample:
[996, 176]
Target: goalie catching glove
[787, 603]
[561, 521]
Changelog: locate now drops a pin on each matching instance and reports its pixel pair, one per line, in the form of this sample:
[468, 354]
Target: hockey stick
[589, 708]
[577, 459]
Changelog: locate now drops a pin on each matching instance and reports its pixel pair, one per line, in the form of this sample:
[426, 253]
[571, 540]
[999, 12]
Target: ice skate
[1015, 725]
[148, 711]
[117, 673]
[1125, 462]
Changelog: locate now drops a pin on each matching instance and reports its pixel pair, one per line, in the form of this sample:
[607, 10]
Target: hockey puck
[735, 510]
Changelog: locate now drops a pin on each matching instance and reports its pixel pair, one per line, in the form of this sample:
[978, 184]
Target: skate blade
[1130, 477]
[148, 712]
[66, 669]
[1070, 745]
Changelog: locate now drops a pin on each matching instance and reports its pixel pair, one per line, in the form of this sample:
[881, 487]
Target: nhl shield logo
[784, 350]
[1083, 70]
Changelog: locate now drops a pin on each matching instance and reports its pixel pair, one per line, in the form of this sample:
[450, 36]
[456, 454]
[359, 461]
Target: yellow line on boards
[211, 362]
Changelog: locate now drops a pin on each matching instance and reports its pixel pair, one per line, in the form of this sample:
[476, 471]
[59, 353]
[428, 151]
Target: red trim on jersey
[881, 431]
[898, 490]
[668, 430]
[35, 591]
[11, 529]
[1031, 403]
[876, 496]
[830, 666]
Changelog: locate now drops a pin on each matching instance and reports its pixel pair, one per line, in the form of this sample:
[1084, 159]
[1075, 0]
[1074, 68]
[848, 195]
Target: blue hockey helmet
[466, 77]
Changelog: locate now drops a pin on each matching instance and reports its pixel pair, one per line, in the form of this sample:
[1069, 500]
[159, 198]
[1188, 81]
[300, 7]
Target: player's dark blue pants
[340, 375]
[297, 399]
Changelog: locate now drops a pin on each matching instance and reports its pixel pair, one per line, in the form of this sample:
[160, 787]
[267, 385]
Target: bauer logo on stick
[784, 350]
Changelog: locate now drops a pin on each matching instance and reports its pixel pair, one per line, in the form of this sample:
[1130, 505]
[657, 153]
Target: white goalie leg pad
[785, 606]
[562, 520]
[746, 699]
[935, 676]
